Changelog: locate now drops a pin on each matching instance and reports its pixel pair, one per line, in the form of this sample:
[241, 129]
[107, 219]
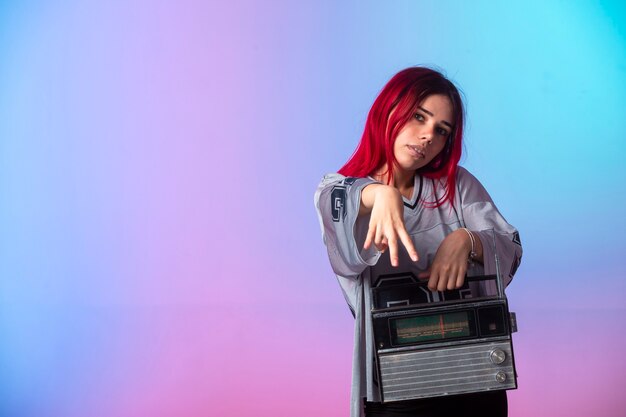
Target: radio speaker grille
[438, 372]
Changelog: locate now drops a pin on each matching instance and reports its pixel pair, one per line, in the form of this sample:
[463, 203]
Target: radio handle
[498, 277]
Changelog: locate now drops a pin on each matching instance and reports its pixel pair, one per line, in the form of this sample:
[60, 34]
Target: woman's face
[424, 135]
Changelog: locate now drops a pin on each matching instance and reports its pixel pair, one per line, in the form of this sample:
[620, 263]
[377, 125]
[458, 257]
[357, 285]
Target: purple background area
[160, 254]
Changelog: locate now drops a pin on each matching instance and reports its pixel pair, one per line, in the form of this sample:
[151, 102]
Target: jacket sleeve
[337, 201]
[497, 236]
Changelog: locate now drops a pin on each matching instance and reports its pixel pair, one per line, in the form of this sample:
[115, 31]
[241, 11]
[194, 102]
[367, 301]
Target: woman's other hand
[386, 226]
[450, 264]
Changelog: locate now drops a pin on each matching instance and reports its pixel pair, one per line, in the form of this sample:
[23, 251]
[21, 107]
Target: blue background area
[160, 253]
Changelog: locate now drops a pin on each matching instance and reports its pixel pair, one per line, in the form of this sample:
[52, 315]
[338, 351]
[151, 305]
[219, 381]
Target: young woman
[401, 204]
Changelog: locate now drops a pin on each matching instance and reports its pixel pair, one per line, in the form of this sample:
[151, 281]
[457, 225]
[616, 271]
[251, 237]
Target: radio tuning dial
[501, 377]
[497, 356]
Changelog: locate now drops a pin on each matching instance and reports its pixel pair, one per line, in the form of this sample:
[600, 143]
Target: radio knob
[500, 377]
[497, 356]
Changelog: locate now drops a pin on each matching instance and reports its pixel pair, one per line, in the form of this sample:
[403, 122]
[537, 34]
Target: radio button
[497, 356]
[501, 377]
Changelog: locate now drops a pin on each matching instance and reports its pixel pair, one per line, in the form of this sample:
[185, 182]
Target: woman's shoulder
[341, 180]
[331, 178]
[463, 174]
[468, 184]
[464, 178]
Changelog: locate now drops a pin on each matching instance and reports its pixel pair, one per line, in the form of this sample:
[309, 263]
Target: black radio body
[452, 345]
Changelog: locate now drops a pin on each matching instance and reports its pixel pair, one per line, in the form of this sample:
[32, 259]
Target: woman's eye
[442, 132]
[419, 117]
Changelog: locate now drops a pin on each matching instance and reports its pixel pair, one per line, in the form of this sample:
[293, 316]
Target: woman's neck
[404, 182]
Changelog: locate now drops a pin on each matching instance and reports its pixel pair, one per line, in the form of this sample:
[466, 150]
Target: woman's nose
[427, 134]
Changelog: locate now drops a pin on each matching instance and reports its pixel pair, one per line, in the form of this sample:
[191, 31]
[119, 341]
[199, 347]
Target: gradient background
[159, 250]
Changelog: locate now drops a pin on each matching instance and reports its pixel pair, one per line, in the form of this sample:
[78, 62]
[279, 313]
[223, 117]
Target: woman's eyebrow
[431, 115]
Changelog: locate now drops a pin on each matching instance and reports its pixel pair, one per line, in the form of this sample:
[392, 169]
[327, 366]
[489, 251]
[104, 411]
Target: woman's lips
[415, 151]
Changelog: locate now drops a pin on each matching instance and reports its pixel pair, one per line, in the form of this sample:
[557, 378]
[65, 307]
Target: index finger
[371, 232]
[408, 243]
[393, 250]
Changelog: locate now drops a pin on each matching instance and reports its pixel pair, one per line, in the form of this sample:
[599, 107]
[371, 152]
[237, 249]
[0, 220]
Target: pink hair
[393, 108]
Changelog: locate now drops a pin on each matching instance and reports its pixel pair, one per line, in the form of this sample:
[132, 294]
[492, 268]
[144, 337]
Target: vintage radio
[431, 344]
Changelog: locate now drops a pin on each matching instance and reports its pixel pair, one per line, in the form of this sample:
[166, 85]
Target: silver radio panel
[452, 370]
